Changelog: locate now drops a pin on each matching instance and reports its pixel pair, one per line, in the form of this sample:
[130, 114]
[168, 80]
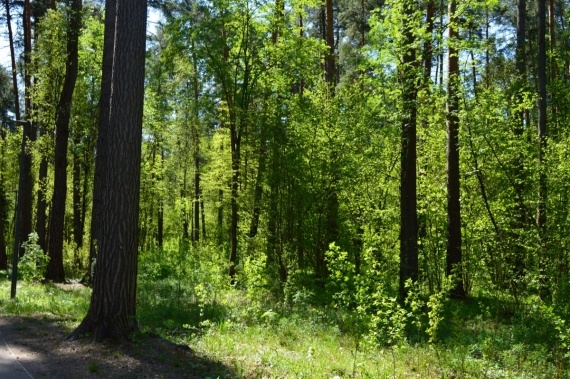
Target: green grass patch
[480, 338]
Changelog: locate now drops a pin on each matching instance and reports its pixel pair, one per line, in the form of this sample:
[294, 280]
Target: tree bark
[454, 257]
[55, 271]
[112, 310]
[408, 154]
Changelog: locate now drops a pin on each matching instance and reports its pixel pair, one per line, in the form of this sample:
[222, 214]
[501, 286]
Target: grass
[481, 338]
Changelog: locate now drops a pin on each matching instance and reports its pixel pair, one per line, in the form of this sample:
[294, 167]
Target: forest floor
[40, 345]
[231, 336]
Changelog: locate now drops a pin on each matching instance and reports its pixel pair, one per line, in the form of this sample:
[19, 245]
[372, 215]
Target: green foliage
[33, 264]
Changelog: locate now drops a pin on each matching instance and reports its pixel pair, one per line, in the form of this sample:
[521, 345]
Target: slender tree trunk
[203, 214]
[3, 213]
[55, 270]
[330, 66]
[3, 200]
[196, 143]
[332, 205]
[183, 194]
[520, 216]
[41, 202]
[13, 61]
[77, 199]
[542, 140]
[26, 188]
[235, 141]
[428, 43]
[454, 254]
[408, 191]
[112, 310]
[3, 210]
[220, 223]
[160, 216]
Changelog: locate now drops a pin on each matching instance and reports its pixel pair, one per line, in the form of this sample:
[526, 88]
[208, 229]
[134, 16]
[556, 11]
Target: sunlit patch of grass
[36, 298]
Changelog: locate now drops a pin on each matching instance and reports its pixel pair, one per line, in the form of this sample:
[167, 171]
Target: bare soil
[40, 345]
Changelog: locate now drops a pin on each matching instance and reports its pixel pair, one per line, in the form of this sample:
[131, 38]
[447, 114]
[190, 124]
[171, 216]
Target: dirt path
[35, 347]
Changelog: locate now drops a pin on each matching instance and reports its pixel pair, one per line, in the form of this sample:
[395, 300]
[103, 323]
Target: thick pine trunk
[454, 257]
[111, 313]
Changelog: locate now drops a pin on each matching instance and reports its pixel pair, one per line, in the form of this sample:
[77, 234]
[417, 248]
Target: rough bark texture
[454, 253]
[111, 313]
[408, 193]
[55, 270]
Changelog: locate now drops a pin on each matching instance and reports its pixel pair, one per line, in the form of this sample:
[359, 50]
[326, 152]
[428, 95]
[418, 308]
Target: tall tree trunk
[3, 214]
[13, 61]
[542, 137]
[428, 43]
[330, 66]
[519, 212]
[454, 261]
[41, 201]
[26, 188]
[77, 198]
[112, 310]
[3, 210]
[332, 205]
[160, 216]
[235, 142]
[196, 144]
[408, 194]
[55, 270]
[3, 200]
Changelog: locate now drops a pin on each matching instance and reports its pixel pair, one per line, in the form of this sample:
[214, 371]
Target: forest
[296, 188]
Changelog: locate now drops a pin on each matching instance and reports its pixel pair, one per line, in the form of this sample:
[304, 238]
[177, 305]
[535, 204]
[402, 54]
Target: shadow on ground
[39, 344]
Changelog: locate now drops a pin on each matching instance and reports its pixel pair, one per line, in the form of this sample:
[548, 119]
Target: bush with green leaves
[34, 263]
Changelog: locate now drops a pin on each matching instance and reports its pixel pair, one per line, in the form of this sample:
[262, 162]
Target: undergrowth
[350, 328]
